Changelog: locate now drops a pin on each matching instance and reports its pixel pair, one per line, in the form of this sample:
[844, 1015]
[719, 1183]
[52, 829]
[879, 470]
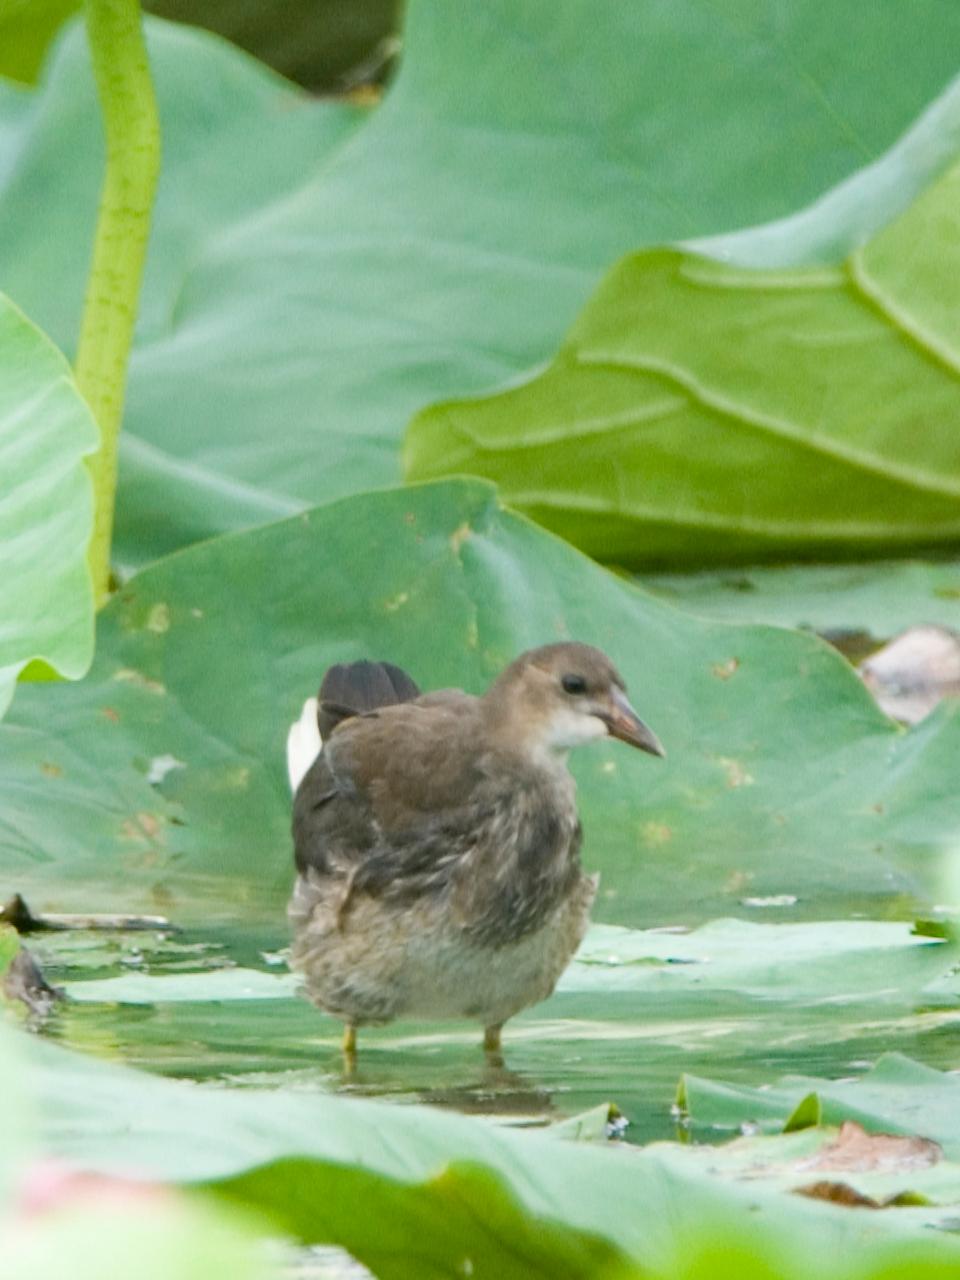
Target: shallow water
[623, 1028]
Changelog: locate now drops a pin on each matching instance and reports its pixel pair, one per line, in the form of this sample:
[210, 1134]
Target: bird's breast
[526, 860]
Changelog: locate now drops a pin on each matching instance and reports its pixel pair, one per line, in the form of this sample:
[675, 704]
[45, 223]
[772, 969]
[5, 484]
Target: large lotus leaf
[416, 1192]
[827, 229]
[897, 1095]
[46, 511]
[860, 961]
[452, 240]
[163, 773]
[704, 413]
[881, 598]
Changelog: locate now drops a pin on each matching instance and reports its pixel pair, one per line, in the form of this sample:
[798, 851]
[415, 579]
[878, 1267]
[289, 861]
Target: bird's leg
[491, 1043]
[349, 1045]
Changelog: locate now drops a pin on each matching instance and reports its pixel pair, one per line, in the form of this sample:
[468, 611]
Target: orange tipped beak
[624, 723]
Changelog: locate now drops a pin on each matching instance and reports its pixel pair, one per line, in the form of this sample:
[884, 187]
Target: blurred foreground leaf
[26, 29]
[420, 1192]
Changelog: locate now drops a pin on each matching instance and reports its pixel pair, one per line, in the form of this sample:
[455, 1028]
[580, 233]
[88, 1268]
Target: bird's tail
[348, 689]
[352, 688]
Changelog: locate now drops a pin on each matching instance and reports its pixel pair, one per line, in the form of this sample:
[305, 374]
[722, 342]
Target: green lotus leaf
[880, 598]
[704, 413]
[310, 286]
[160, 781]
[416, 1191]
[898, 1095]
[46, 515]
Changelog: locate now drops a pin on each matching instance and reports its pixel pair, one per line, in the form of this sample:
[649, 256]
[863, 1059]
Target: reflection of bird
[436, 837]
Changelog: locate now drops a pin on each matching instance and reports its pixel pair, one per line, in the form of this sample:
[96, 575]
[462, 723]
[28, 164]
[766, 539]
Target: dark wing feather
[382, 778]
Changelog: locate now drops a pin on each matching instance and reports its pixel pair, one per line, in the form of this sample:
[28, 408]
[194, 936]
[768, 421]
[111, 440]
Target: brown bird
[436, 837]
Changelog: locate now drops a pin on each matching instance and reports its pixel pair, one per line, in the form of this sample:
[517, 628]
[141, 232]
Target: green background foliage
[779, 413]
[318, 274]
[305, 295]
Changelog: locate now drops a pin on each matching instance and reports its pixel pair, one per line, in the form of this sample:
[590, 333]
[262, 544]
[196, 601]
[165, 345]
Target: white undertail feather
[303, 743]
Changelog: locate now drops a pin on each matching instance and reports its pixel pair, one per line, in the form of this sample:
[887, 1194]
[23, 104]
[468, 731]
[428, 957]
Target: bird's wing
[393, 785]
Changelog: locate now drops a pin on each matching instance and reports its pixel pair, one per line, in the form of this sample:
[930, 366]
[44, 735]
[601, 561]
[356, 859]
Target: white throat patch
[567, 728]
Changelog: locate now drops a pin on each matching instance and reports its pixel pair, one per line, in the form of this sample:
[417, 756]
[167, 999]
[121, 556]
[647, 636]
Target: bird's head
[564, 695]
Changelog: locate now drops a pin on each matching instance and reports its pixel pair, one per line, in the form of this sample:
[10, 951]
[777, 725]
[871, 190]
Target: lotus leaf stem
[132, 131]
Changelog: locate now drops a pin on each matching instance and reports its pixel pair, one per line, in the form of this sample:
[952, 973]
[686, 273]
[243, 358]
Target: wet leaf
[878, 600]
[733, 997]
[213, 985]
[897, 1096]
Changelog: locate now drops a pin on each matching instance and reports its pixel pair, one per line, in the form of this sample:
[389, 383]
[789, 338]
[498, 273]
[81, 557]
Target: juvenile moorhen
[436, 837]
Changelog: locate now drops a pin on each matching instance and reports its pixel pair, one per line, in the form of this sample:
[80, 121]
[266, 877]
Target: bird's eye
[573, 684]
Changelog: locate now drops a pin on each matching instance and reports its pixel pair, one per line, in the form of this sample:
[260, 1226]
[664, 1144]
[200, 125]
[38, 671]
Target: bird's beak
[624, 723]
